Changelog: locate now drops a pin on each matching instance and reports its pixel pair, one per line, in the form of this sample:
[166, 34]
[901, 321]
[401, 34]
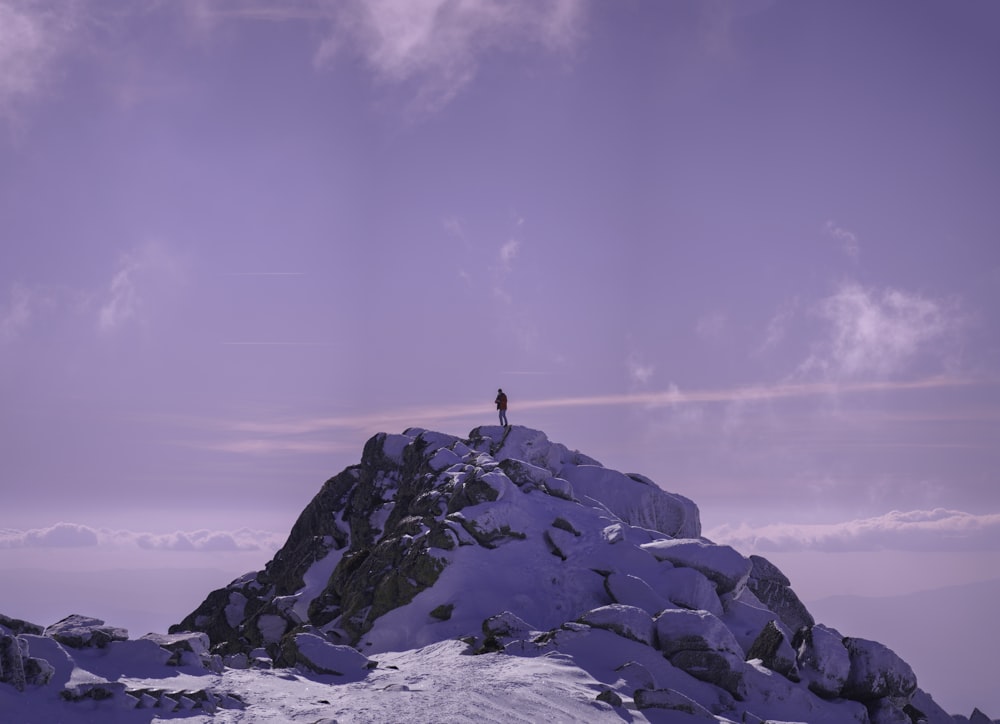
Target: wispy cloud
[432, 47]
[311, 434]
[436, 46]
[33, 35]
[16, 314]
[916, 530]
[74, 535]
[847, 239]
[878, 333]
[127, 297]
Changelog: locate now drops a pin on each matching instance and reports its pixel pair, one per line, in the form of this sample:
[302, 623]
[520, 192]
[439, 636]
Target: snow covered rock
[628, 621]
[17, 627]
[18, 668]
[775, 651]
[515, 545]
[773, 589]
[688, 588]
[700, 644]
[671, 700]
[824, 662]
[631, 590]
[314, 653]
[722, 565]
[82, 632]
[876, 672]
[186, 649]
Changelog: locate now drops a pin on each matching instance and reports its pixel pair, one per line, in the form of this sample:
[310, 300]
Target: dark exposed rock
[377, 524]
[876, 672]
[823, 660]
[609, 697]
[775, 652]
[773, 589]
[80, 632]
[17, 627]
[700, 644]
[671, 700]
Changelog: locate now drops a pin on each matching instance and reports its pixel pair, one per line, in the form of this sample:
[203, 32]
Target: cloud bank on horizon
[914, 530]
[76, 535]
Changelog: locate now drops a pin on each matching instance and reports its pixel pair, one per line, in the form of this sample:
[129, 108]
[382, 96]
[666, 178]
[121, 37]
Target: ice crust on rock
[433, 548]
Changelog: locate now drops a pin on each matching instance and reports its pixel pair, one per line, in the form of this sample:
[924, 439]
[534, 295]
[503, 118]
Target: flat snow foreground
[440, 683]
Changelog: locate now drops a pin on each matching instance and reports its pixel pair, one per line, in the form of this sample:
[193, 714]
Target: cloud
[880, 333]
[207, 541]
[639, 371]
[73, 535]
[777, 327]
[304, 435]
[848, 239]
[60, 535]
[916, 530]
[16, 315]
[33, 35]
[508, 252]
[137, 273]
[436, 46]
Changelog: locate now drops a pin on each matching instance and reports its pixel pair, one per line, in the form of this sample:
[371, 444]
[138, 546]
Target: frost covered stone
[775, 651]
[876, 672]
[722, 565]
[314, 653]
[688, 588]
[823, 660]
[700, 643]
[82, 632]
[773, 589]
[633, 591]
[672, 701]
[628, 621]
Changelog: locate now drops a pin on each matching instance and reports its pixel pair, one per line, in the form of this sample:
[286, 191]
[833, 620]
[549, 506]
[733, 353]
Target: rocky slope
[515, 544]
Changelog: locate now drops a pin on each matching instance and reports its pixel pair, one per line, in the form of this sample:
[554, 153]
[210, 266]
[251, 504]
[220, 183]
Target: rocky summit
[443, 578]
[515, 544]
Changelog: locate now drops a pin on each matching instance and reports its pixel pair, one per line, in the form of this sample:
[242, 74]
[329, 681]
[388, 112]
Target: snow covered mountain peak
[594, 584]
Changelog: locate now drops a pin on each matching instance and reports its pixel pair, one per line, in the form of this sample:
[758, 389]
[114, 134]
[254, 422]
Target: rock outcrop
[516, 544]
[499, 544]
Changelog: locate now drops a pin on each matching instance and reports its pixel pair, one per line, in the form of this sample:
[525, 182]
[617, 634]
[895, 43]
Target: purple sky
[747, 249]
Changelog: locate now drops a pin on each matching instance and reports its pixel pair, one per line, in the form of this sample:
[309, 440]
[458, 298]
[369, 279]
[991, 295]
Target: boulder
[313, 652]
[722, 565]
[671, 700]
[775, 652]
[700, 644]
[17, 627]
[688, 588]
[19, 669]
[876, 672]
[190, 648]
[824, 662]
[773, 589]
[627, 621]
[81, 632]
[885, 711]
[502, 628]
[631, 590]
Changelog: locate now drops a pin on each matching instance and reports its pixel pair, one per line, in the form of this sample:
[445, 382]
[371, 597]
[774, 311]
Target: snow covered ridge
[588, 595]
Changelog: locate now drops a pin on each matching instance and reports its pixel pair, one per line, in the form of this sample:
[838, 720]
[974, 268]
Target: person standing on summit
[501, 401]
